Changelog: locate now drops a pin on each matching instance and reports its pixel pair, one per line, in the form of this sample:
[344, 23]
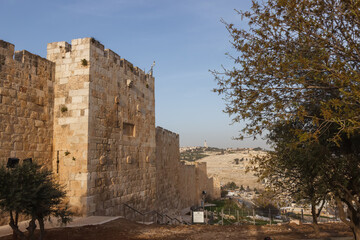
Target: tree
[224, 193]
[267, 200]
[294, 53]
[29, 190]
[231, 186]
[299, 62]
[295, 169]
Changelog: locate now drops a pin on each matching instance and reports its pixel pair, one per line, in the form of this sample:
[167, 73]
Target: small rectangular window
[129, 129]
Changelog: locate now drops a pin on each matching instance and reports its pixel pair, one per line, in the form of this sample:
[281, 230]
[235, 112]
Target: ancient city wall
[167, 170]
[179, 185]
[26, 105]
[122, 134]
[188, 188]
[89, 115]
[71, 118]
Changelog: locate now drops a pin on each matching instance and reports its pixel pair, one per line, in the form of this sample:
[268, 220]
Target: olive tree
[29, 190]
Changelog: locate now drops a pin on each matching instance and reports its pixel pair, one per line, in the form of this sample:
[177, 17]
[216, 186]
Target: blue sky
[185, 38]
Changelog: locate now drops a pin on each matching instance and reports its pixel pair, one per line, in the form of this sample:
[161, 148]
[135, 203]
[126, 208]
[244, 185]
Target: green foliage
[63, 109]
[224, 204]
[267, 200]
[231, 186]
[29, 190]
[193, 154]
[297, 76]
[223, 193]
[295, 52]
[84, 62]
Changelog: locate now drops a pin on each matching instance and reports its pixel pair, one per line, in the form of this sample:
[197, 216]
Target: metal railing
[155, 216]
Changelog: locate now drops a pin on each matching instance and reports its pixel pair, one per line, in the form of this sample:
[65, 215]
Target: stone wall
[178, 184]
[90, 116]
[122, 134]
[167, 170]
[71, 117]
[104, 143]
[26, 105]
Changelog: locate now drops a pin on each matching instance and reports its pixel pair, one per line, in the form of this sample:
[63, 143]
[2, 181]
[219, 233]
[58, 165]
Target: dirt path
[122, 229]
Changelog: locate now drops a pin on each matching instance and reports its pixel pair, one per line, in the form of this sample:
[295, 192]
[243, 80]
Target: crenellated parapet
[26, 105]
[83, 47]
[89, 115]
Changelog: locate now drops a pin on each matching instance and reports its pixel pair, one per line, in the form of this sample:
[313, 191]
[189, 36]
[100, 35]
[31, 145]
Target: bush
[224, 193]
[31, 191]
[231, 186]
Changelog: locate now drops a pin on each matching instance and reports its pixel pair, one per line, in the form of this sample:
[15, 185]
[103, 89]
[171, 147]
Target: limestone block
[81, 177]
[77, 99]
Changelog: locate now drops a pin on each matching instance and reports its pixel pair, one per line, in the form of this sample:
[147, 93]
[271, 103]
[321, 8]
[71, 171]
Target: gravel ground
[122, 229]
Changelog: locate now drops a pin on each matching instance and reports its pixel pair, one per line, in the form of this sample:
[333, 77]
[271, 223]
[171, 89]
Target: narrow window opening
[129, 129]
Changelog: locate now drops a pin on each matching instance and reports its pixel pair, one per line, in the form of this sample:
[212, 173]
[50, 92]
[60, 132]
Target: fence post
[237, 215]
[254, 215]
[302, 215]
[206, 217]
[222, 216]
[270, 215]
[335, 215]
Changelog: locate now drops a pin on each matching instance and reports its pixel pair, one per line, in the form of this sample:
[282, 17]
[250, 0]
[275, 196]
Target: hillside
[229, 165]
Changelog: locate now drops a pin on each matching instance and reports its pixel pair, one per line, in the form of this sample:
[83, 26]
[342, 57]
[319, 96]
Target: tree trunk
[356, 231]
[31, 228]
[315, 218]
[42, 228]
[14, 226]
[17, 232]
[353, 220]
[314, 213]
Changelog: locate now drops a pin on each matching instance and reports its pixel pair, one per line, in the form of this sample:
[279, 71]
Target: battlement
[26, 57]
[91, 44]
[160, 130]
[89, 115]
[7, 48]
[26, 103]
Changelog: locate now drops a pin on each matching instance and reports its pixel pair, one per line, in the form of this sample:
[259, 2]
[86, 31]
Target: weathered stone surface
[90, 116]
[26, 94]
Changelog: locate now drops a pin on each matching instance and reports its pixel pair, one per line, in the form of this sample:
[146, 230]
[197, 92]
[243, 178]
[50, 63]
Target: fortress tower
[104, 111]
[89, 115]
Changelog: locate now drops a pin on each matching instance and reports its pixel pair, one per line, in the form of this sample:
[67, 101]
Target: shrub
[29, 190]
[84, 62]
[63, 109]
